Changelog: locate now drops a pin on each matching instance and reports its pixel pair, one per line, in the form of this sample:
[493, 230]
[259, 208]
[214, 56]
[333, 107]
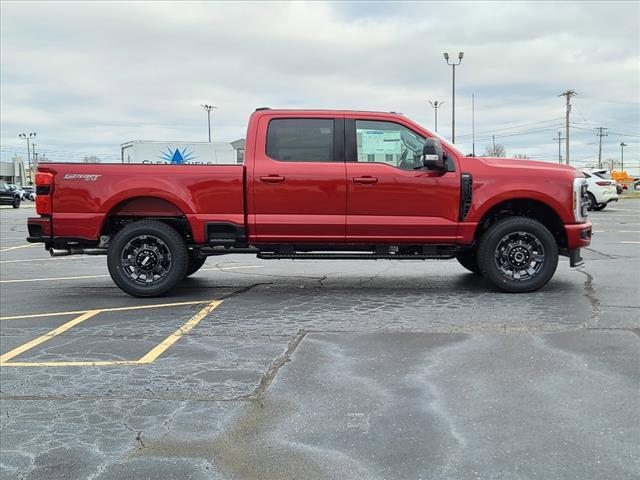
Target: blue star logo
[177, 157]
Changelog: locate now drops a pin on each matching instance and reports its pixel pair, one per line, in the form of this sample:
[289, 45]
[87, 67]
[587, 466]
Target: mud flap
[575, 260]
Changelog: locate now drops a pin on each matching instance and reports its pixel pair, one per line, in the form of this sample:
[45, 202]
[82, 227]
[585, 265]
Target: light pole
[622, 145]
[436, 105]
[208, 108]
[28, 139]
[453, 93]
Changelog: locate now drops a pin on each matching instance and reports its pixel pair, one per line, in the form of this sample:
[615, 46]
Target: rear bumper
[578, 235]
[39, 229]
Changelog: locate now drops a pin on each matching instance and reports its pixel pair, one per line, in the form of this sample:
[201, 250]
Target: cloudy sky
[89, 76]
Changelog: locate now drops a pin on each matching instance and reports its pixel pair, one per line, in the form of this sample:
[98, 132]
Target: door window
[301, 140]
[390, 143]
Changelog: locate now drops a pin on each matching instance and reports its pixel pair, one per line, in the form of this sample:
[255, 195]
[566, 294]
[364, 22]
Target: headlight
[579, 199]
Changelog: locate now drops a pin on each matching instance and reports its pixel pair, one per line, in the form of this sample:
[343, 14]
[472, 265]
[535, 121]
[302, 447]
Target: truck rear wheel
[469, 260]
[194, 264]
[518, 254]
[147, 258]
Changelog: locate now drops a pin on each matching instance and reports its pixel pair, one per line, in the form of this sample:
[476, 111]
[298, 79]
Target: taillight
[44, 187]
[603, 184]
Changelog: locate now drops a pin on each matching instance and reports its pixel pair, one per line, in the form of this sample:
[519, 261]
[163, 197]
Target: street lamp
[28, 139]
[622, 145]
[208, 108]
[453, 93]
[436, 105]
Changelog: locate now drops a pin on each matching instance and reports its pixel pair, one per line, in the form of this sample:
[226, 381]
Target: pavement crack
[607, 255]
[590, 294]
[139, 439]
[275, 366]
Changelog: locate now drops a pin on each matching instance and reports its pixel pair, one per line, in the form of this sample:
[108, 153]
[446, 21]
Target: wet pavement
[326, 369]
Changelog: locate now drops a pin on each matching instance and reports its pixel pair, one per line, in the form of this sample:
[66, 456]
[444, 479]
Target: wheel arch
[142, 207]
[525, 207]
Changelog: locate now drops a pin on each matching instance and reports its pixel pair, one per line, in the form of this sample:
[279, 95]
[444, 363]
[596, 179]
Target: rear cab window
[301, 139]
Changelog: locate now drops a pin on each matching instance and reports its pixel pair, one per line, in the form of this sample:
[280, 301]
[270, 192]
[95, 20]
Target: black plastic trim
[466, 195]
[228, 234]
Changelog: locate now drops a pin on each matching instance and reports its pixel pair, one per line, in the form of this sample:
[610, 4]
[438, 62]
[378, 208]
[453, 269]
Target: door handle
[366, 179]
[272, 179]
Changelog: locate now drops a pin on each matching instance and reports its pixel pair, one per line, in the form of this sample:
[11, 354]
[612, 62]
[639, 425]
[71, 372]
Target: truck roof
[322, 111]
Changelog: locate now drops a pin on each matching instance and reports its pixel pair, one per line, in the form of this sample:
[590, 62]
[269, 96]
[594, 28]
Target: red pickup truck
[318, 184]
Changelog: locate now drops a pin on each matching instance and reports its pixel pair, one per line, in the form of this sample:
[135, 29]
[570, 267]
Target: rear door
[299, 180]
[390, 196]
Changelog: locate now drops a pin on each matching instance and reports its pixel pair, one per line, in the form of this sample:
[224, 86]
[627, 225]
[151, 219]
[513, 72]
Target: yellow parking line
[56, 331]
[51, 279]
[112, 309]
[52, 259]
[19, 246]
[173, 338]
[99, 363]
[150, 357]
[229, 268]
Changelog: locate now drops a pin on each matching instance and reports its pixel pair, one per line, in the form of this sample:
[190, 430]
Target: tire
[591, 202]
[16, 202]
[151, 249]
[469, 260]
[194, 264]
[518, 255]
[599, 206]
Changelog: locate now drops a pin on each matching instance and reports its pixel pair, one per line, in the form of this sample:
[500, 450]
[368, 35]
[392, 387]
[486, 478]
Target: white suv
[601, 189]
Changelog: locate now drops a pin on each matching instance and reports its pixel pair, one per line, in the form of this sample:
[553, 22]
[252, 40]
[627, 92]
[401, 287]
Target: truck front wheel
[518, 254]
[16, 202]
[147, 258]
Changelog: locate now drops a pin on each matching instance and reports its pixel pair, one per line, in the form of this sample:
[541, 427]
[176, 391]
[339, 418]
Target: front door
[299, 180]
[391, 198]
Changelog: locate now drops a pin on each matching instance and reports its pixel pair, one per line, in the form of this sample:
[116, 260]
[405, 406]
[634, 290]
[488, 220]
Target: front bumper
[578, 234]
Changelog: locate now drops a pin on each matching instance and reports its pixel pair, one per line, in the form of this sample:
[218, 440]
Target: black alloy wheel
[518, 254]
[147, 258]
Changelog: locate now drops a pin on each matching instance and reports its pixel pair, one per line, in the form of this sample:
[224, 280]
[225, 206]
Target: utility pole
[559, 140]
[601, 133]
[494, 145]
[28, 139]
[453, 93]
[473, 124]
[622, 145]
[436, 105]
[568, 94]
[208, 108]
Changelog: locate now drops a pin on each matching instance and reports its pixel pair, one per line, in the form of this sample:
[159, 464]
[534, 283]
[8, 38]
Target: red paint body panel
[213, 193]
[316, 202]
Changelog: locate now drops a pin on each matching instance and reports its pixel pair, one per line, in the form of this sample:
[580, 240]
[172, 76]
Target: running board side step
[353, 256]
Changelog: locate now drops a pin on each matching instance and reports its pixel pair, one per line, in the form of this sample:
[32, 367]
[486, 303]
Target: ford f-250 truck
[319, 185]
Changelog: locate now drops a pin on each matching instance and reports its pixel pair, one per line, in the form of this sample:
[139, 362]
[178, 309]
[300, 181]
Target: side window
[390, 143]
[300, 140]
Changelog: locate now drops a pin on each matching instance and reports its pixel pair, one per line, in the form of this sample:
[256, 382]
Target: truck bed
[84, 194]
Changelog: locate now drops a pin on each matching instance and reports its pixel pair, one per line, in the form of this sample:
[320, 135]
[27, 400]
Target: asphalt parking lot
[331, 369]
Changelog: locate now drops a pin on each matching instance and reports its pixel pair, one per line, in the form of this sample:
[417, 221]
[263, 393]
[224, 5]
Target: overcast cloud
[89, 76]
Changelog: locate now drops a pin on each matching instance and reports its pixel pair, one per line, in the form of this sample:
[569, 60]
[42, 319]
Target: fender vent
[466, 192]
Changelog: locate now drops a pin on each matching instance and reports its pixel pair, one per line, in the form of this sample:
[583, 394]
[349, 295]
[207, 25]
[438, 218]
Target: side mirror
[432, 155]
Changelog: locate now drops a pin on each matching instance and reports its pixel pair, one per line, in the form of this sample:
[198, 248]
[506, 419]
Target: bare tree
[521, 156]
[498, 151]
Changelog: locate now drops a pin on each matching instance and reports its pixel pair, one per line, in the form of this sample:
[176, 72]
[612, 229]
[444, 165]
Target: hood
[528, 164]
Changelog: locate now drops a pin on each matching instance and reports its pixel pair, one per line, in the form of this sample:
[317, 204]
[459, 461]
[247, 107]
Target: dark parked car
[9, 196]
[28, 191]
